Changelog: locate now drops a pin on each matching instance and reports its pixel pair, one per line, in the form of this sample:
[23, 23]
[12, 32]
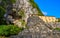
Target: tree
[3, 6]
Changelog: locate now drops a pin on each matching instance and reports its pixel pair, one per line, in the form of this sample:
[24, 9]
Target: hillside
[21, 10]
[24, 19]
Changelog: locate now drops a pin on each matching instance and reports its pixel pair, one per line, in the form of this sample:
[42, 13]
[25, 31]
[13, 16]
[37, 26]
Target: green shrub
[7, 30]
[23, 23]
[13, 1]
[57, 29]
[58, 19]
[21, 13]
[3, 5]
[2, 12]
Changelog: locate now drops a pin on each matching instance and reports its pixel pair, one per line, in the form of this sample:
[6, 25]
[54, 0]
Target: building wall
[48, 19]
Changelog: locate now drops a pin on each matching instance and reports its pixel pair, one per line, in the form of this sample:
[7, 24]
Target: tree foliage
[9, 30]
[2, 11]
[3, 5]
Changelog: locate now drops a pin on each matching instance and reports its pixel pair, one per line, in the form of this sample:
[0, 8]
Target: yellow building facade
[48, 19]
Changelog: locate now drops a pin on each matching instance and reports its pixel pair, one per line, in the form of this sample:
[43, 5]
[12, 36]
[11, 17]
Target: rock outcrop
[23, 5]
[14, 10]
[37, 29]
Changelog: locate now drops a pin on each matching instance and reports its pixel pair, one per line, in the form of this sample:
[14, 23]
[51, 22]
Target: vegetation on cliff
[9, 30]
[21, 13]
[36, 6]
[58, 29]
[58, 19]
[2, 11]
[3, 5]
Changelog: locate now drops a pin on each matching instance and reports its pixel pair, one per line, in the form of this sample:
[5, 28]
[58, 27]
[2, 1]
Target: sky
[49, 7]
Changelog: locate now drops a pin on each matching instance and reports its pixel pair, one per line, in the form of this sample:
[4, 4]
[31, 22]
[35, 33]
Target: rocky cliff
[21, 9]
[19, 13]
[38, 29]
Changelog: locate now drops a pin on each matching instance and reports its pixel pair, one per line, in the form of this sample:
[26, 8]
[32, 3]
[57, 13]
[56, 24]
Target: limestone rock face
[19, 5]
[37, 29]
[14, 9]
